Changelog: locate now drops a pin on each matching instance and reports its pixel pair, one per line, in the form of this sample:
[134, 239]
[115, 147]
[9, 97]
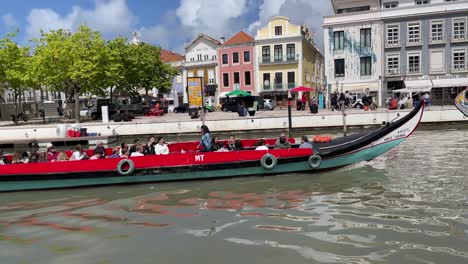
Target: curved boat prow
[461, 102]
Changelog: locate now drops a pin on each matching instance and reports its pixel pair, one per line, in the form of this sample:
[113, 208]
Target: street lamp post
[290, 100]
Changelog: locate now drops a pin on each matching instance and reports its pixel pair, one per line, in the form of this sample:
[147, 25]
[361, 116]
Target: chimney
[222, 40]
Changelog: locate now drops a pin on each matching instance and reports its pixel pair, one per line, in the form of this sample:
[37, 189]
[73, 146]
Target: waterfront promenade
[174, 124]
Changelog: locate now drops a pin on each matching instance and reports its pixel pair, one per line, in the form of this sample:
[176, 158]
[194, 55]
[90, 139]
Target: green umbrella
[238, 93]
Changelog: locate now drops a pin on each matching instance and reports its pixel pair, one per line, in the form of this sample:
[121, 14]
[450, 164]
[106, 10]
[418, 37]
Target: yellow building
[287, 57]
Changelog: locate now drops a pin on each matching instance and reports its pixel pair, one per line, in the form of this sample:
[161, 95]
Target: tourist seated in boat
[205, 142]
[305, 144]
[51, 153]
[3, 159]
[409, 103]
[100, 148]
[261, 145]
[148, 149]
[16, 158]
[34, 157]
[97, 156]
[24, 157]
[124, 149]
[282, 142]
[138, 152]
[233, 144]
[161, 147]
[218, 146]
[115, 153]
[79, 154]
[133, 148]
[61, 157]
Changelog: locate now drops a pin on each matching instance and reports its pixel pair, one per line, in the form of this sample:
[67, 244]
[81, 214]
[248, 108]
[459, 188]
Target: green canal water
[408, 206]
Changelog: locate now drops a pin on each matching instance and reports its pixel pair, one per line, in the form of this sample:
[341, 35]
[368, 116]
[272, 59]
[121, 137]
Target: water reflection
[404, 207]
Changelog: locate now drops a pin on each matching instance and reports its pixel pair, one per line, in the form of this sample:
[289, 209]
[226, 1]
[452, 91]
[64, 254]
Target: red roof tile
[239, 38]
[170, 56]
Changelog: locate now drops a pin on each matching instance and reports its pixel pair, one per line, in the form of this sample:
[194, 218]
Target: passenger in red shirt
[51, 153]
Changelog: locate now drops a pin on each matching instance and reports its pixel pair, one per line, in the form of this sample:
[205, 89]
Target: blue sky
[169, 24]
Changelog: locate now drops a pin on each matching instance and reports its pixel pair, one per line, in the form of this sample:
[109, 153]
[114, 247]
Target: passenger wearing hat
[51, 153]
[305, 144]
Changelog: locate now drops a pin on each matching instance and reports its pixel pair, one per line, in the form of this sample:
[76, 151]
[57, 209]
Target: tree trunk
[77, 104]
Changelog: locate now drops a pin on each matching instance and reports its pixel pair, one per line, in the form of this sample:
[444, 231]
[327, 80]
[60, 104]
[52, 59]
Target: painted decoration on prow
[461, 102]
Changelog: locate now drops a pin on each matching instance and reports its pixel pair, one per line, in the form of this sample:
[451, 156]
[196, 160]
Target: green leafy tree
[73, 63]
[15, 68]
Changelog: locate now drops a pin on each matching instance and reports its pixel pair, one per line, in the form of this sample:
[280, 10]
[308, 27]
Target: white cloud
[111, 17]
[213, 17]
[299, 11]
[9, 21]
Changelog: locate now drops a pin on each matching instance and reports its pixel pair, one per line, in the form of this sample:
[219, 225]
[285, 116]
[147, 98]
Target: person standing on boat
[148, 149]
[205, 143]
[161, 148]
[282, 142]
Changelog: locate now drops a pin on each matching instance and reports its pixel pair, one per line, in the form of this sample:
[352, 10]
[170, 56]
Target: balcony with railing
[414, 41]
[279, 86]
[459, 37]
[436, 69]
[392, 43]
[266, 87]
[459, 67]
[393, 72]
[291, 85]
[437, 39]
[414, 69]
[287, 59]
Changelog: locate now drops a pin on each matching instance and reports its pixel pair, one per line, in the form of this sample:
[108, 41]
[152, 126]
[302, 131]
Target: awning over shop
[358, 87]
[456, 82]
[418, 86]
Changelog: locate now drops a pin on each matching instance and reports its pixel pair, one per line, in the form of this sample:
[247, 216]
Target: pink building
[236, 64]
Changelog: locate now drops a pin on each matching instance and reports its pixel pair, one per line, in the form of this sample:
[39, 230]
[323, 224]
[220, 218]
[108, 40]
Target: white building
[201, 61]
[353, 48]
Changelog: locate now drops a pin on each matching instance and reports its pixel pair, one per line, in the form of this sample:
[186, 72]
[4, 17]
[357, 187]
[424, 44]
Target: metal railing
[291, 85]
[436, 69]
[393, 72]
[459, 37]
[414, 70]
[437, 39]
[414, 41]
[458, 67]
[283, 59]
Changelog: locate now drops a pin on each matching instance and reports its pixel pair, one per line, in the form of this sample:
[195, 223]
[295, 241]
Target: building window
[278, 53]
[211, 81]
[192, 59]
[393, 64]
[366, 66]
[459, 29]
[235, 57]
[414, 62]
[338, 40]
[278, 80]
[199, 57]
[246, 56]
[436, 61]
[225, 59]
[226, 79]
[207, 57]
[390, 5]
[422, 2]
[236, 78]
[266, 81]
[393, 35]
[353, 9]
[266, 55]
[291, 52]
[278, 30]
[414, 33]
[291, 80]
[365, 38]
[459, 59]
[437, 30]
[213, 57]
[339, 68]
[247, 78]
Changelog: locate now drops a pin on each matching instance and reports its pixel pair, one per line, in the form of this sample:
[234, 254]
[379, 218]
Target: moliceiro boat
[192, 165]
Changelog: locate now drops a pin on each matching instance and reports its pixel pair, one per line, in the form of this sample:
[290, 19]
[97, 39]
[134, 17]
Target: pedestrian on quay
[304, 101]
[334, 101]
